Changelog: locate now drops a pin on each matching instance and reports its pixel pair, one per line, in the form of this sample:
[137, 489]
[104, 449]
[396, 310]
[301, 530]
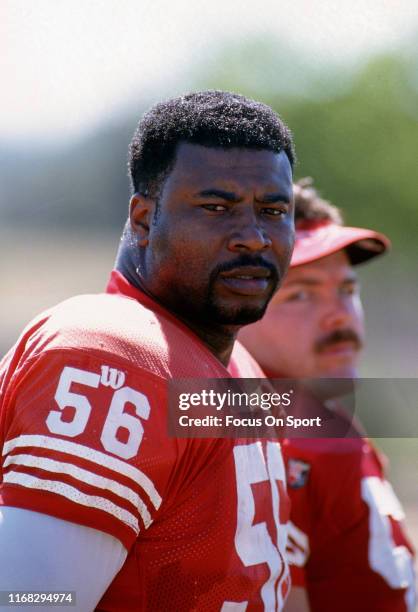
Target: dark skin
[221, 242]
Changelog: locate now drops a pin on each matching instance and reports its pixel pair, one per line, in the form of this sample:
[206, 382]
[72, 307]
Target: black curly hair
[209, 118]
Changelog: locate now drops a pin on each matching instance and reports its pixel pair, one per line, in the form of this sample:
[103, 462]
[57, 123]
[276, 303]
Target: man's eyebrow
[229, 196]
[351, 280]
[271, 198]
[310, 282]
[314, 282]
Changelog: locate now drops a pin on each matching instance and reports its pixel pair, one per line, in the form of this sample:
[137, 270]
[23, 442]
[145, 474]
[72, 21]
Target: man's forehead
[198, 160]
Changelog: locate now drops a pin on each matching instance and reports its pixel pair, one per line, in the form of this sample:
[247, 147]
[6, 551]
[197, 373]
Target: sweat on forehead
[209, 118]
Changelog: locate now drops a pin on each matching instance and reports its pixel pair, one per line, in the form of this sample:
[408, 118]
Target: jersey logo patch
[297, 473]
[110, 377]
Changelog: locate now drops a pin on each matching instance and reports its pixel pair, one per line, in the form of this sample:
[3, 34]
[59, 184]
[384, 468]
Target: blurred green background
[356, 133]
[64, 190]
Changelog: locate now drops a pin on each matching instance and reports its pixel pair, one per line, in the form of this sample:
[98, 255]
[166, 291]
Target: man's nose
[248, 236]
[338, 314]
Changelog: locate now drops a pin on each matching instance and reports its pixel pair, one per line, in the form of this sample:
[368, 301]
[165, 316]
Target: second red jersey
[347, 544]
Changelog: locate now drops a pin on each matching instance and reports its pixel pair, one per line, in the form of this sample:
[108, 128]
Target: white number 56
[116, 417]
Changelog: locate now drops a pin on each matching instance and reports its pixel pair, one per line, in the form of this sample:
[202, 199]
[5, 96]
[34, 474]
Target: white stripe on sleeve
[73, 494]
[84, 452]
[91, 478]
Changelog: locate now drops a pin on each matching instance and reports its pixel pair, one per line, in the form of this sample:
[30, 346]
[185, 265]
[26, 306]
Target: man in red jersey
[96, 499]
[346, 543]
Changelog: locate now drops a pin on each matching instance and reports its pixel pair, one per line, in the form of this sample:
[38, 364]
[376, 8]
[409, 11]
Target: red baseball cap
[314, 241]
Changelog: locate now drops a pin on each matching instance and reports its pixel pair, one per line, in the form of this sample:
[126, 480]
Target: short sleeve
[85, 441]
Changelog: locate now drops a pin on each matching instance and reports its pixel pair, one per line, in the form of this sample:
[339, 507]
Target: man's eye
[298, 296]
[274, 212]
[214, 207]
[349, 290]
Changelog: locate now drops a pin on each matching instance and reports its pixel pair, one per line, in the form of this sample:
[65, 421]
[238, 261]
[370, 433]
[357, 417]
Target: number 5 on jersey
[253, 542]
[116, 417]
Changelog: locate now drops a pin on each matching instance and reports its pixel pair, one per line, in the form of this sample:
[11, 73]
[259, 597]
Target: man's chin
[237, 312]
[237, 317]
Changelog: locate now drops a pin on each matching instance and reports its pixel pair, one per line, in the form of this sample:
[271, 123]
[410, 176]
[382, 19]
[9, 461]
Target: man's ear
[141, 209]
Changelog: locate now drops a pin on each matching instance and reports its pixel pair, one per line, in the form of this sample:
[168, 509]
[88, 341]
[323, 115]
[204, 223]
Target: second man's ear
[141, 209]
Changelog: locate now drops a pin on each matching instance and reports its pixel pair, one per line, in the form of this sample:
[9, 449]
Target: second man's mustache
[339, 335]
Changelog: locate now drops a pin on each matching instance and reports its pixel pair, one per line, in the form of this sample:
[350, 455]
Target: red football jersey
[84, 434]
[346, 542]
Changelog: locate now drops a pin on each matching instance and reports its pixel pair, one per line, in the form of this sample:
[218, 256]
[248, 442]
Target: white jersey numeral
[68, 399]
[253, 542]
[116, 421]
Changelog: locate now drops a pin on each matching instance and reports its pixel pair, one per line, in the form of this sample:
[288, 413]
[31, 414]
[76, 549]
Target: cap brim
[360, 244]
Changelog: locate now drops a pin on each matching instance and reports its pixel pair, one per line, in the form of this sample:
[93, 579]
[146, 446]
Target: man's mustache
[339, 335]
[247, 261]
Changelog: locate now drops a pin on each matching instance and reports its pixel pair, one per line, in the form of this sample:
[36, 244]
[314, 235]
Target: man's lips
[340, 347]
[247, 280]
[247, 271]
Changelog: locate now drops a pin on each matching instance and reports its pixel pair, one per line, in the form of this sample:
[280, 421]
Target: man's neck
[125, 263]
[219, 340]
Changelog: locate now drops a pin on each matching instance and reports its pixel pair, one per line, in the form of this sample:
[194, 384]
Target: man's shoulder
[96, 321]
[116, 326]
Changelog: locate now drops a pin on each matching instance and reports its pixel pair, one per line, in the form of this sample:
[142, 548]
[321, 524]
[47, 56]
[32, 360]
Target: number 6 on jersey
[116, 417]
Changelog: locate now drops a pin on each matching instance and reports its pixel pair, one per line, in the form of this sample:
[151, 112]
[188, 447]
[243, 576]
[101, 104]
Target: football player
[96, 499]
[346, 541]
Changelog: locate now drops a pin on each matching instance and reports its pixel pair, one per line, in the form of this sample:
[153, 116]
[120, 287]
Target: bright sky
[65, 64]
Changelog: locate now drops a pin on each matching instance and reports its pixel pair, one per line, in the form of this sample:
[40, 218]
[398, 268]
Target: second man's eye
[299, 296]
[349, 289]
